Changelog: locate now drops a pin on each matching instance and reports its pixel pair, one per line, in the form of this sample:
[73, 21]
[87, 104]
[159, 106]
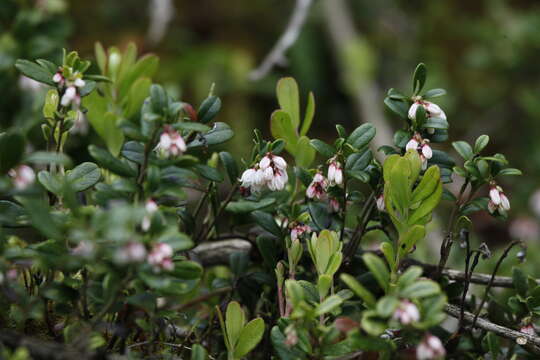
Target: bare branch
[287, 39]
[218, 252]
[530, 342]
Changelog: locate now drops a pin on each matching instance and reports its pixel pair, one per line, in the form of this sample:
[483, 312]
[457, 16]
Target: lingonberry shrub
[164, 245]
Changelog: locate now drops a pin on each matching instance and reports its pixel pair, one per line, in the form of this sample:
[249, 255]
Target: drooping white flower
[432, 110]
[150, 207]
[406, 313]
[412, 145]
[380, 203]
[278, 180]
[161, 257]
[335, 173]
[132, 252]
[171, 143]
[22, 176]
[430, 348]
[70, 97]
[422, 147]
[252, 180]
[271, 171]
[79, 82]
[318, 186]
[498, 201]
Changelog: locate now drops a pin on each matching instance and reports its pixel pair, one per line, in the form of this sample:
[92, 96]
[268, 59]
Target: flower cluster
[432, 110]
[497, 199]
[335, 172]
[23, 176]
[422, 146]
[171, 143]
[430, 348]
[406, 313]
[271, 172]
[318, 186]
[161, 257]
[72, 86]
[298, 230]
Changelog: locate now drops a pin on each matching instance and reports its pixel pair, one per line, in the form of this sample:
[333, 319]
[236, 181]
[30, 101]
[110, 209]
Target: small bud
[380, 203]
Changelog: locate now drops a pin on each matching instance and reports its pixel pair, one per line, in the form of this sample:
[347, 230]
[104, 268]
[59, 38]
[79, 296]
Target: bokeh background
[484, 52]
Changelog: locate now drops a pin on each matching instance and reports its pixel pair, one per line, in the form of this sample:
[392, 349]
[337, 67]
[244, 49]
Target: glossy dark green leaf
[481, 143]
[230, 166]
[209, 109]
[434, 93]
[35, 71]
[208, 172]
[134, 151]
[463, 149]
[267, 222]
[84, 176]
[362, 135]
[50, 181]
[320, 215]
[108, 161]
[220, 133]
[323, 148]
[419, 78]
[246, 206]
[44, 158]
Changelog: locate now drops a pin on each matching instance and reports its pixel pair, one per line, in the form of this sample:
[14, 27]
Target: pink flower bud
[380, 203]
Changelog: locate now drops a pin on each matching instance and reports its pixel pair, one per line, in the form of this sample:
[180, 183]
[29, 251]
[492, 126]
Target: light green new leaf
[420, 289]
[323, 285]
[310, 113]
[250, 336]
[389, 165]
[359, 289]
[388, 251]
[328, 305]
[409, 239]
[378, 268]
[386, 305]
[234, 322]
[424, 210]
[198, 352]
[104, 122]
[305, 154]
[288, 98]
[409, 276]
[281, 127]
[427, 185]
[400, 190]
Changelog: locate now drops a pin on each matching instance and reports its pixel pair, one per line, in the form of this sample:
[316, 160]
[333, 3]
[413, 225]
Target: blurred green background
[485, 53]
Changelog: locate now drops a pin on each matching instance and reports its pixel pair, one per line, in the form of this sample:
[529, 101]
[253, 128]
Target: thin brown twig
[490, 283]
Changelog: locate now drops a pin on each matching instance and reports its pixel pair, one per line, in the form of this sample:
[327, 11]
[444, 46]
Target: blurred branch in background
[287, 39]
[161, 14]
[356, 60]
